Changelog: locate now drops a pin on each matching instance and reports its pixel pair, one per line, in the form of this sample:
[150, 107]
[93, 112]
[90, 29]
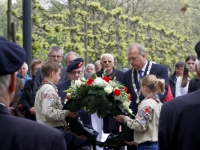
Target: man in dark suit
[74, 72]
[140, 68]
[179, 123]
[19, 133]
[110, 125]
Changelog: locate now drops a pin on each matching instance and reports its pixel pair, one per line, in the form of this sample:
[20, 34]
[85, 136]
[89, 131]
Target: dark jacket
[27, 99]
[20, 134]
[110, 124]
[172, 83]
[158, 70]
[85, 117]
[179, 123]
[194, 85]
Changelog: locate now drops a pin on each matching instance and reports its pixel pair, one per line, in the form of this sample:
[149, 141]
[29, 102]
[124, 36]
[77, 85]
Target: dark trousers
[73, 146]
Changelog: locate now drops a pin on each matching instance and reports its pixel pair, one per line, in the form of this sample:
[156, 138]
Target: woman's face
[35, 69]
[191, 65]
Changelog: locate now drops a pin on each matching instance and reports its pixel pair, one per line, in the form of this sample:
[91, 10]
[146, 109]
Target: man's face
[69, 59]
[23, 71]
[55, 56]
[90, 70]
[75, 74]
[107, 63]
[136, 60]
[179, 71]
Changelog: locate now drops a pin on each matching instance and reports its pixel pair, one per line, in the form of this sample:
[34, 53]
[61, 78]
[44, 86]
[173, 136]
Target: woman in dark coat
[28, 99]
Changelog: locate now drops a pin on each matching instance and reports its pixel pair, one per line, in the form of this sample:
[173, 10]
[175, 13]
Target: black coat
[27, 99]
[110, 124]
[23, 134]
[85, 117]
[194, 85]
[158, 70]
[172, 83]
[179, 123]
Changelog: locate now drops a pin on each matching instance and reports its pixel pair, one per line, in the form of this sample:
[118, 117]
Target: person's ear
[12, 83]
[52, 74]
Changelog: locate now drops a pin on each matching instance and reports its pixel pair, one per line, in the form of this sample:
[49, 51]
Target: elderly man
[179, 121]
[22, 73]
[74, 72]
[15, 132]
[55, 55]
[110, 125]
[140, 68]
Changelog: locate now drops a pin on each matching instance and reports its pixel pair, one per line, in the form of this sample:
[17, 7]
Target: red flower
[126, 89]
[147, 110]
[130, 97]
[106, 78]
[89, 81]
[117, 92]
[67, 97]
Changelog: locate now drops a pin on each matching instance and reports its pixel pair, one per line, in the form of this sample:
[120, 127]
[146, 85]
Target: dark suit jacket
[172, 83]
[39, 78]
[110, 124]
[179, 123]
[85, 117]
[22, 134]
[158, 70]
[194, 85]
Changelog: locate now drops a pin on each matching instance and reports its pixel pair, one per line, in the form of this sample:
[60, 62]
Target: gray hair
[107, 54]
[25, 65]
[90, 65]
[4, 83]
[141, 49]
[69, 54]
[197, 62]
[55, 48]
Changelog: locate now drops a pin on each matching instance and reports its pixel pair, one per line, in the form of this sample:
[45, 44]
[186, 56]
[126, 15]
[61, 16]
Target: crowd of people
[165, 105]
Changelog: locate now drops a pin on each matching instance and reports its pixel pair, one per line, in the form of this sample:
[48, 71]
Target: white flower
[69, 95]
[108, 89]
[126, 104]
[78, 83]
[99, 82]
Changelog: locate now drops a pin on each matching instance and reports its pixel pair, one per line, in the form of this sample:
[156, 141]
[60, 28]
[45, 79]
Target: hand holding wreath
[103, 96]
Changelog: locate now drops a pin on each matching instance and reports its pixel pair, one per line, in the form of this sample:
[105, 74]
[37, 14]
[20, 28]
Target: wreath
[105, 97]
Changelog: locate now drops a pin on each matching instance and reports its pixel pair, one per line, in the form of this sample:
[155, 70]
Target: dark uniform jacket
[158, 70]
[85, 117]
[110, 124]
[23, 134]
[179, 123]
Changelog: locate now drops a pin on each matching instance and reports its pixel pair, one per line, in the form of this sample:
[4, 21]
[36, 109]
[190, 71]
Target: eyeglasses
[54, 56]
[76, 72]
[109, 61]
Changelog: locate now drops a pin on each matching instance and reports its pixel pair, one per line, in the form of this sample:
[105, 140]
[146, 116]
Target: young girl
[145, 124]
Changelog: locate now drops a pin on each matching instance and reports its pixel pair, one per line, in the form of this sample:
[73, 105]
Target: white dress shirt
[181, 90]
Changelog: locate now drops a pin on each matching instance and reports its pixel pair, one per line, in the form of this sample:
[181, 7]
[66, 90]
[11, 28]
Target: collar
[143, 69]
[2, 104]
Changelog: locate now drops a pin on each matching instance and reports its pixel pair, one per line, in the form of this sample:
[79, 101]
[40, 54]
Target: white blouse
[181, 90]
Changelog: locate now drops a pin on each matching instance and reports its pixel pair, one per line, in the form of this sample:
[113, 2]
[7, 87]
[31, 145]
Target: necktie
[140, 74]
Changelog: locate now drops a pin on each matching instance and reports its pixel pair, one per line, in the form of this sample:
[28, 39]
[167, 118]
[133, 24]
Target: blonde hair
[154, 84]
